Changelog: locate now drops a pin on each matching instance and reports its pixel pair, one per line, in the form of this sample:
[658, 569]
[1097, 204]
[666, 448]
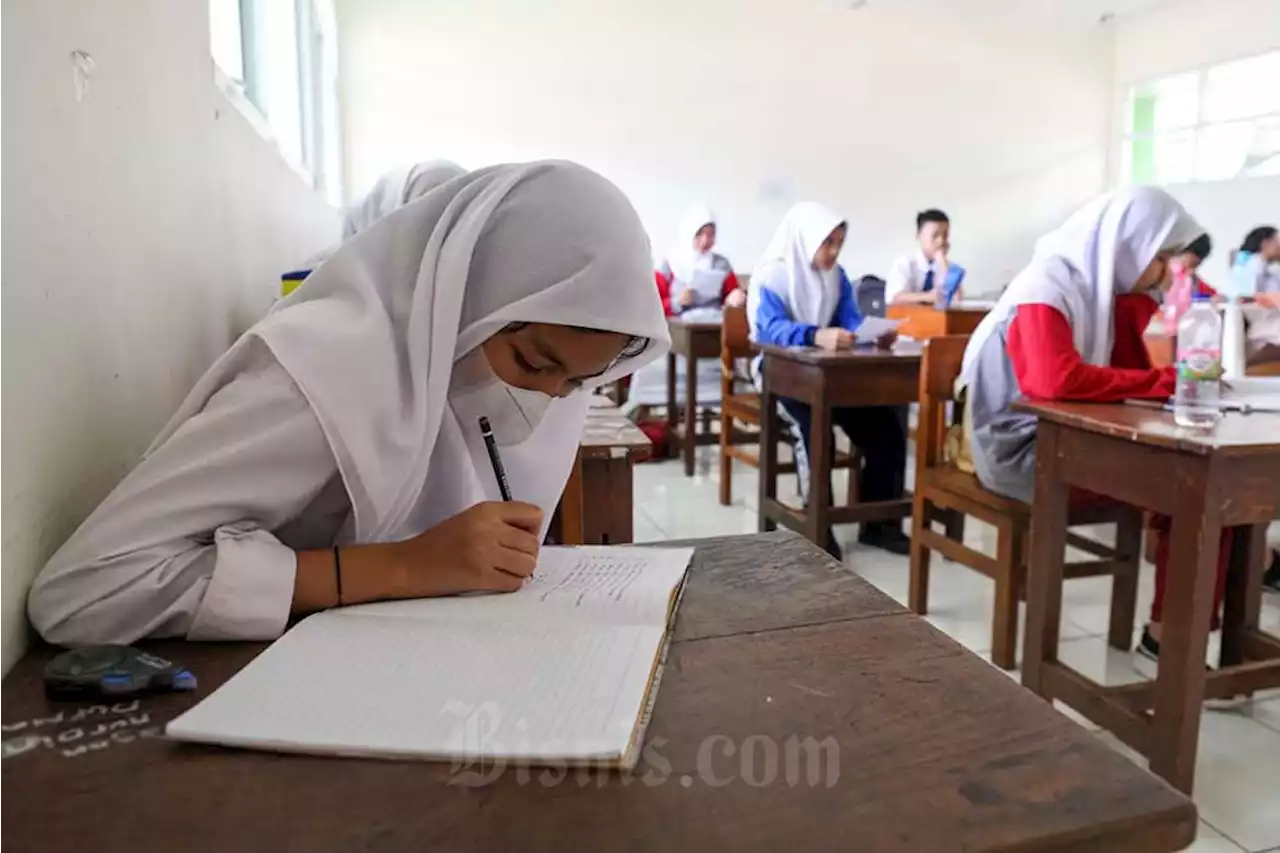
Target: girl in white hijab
[696, 283]
[800, 296]
[692, 275]
[394, 190]
[1070, 327]
[389, 193]
[333, 455]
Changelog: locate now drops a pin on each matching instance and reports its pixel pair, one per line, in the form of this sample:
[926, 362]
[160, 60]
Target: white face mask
[475, 392]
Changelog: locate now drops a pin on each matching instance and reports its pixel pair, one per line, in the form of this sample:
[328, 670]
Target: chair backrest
[939, 368]
[868, 293]
[735, 344]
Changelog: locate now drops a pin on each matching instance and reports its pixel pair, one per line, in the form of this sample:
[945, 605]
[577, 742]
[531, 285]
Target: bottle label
[1200, 364]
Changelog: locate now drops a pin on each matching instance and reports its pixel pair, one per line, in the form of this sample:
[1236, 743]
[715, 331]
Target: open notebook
[562, 671]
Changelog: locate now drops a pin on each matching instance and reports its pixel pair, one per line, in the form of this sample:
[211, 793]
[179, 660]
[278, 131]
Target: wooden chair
[739, 403]
[940, 486]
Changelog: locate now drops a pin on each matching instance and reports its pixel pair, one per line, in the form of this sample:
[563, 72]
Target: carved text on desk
[78, 732]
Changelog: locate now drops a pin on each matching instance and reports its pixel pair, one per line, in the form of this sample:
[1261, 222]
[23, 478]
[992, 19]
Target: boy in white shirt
[926, 276]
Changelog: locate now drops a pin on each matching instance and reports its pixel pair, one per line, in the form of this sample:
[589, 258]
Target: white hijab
[1081, 267]
[396, 189]
[372, 339]
[684, 260]
[810, 293]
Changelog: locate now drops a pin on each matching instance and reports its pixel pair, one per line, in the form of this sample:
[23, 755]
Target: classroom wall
[1184, 36]
[144, 226]
[750, 106]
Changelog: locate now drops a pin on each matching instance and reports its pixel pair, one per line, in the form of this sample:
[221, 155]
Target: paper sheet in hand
[871, 329]
[706, 286]
[561, 671]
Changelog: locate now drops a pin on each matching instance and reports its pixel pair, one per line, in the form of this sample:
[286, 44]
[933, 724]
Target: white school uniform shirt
[907, 276]
[330, 421]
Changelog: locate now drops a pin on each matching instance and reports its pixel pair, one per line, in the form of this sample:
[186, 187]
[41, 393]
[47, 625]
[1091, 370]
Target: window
[1214, 124]
[281, 57]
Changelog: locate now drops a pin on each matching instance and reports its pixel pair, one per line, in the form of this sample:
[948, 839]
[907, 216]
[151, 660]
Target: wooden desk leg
[1124, 586]
[1188, 607]
[768, 489]
[1048, 553]
[607, 500]
[690, 412]
[571, 504]
[673, 442]
[1243, 601]
[818, 509]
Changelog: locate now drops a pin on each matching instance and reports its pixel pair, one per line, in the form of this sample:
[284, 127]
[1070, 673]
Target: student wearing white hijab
[394, 190]
[1069, 327]
[800, 296]
[333, 455]
[389, 193]
[697, 283]
[692, 275]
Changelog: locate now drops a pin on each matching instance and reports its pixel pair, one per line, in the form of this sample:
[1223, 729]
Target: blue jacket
[774, 324]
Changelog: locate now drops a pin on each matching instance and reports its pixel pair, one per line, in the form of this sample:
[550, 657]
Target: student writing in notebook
[926, 276]
[693, 275]
[333, 454]
[800, 296]
[1069, 327]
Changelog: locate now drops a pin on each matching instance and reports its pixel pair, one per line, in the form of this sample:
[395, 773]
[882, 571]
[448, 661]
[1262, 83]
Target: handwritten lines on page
[594, 585]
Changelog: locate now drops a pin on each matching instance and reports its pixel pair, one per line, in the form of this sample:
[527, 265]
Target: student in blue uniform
[800, 296]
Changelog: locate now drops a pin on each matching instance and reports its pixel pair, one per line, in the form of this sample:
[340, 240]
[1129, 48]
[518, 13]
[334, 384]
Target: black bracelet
[337, 572]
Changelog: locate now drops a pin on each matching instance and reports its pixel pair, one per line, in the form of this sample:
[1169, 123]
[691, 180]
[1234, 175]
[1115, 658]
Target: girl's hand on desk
[833, 338]
[492, 547]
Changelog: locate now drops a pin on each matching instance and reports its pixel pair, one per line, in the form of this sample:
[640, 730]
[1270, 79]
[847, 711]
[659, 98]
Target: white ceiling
[1073, 13]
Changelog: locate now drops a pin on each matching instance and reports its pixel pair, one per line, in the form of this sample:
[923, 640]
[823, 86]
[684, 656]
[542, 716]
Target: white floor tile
[1209, 840]
[1237, 770]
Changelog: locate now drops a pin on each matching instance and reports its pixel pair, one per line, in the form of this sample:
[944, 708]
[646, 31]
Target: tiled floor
[1238, 770]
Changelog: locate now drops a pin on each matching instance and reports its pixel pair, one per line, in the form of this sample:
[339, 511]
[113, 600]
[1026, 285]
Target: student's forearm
[912, 298]
[368, 573]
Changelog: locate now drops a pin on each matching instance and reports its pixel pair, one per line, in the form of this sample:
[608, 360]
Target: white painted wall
[1183, 37]
[143, 228]
[749, 105]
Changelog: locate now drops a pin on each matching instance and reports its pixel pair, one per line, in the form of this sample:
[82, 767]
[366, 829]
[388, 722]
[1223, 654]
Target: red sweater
[664, 289]
[1047, 366]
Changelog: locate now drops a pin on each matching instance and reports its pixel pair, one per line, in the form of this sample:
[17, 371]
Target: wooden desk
[774, 643]
[596, 507]
[1229, 477]
[693, 341]
[927, 321]
[826, 380]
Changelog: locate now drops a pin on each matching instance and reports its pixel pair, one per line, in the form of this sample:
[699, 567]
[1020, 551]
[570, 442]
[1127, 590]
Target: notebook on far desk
[562, 671]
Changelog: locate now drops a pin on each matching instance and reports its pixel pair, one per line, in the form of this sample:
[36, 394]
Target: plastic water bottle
[1199, 366]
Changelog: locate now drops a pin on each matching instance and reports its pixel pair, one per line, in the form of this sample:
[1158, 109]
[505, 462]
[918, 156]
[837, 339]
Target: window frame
[1128, 138]
[314, 28]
